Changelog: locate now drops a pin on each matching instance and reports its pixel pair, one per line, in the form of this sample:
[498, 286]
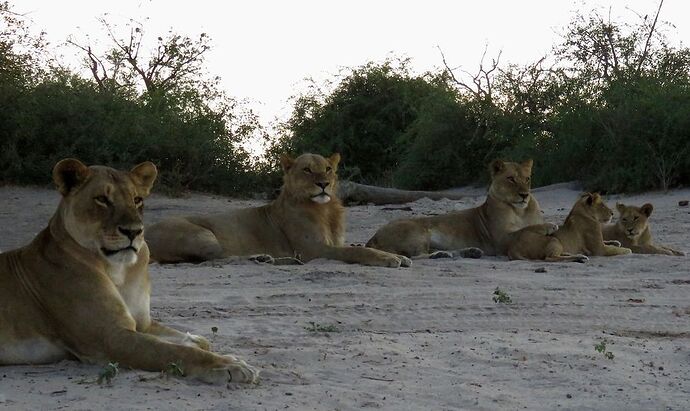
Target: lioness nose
[131, 233]
[524, 195]
[322, 185]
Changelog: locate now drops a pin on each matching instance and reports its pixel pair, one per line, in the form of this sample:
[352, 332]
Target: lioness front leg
[653, 249]
[543, 229]
[365, 255]
[147, 352]
[469, 252]
[177, 337]
[610, 250]
[673, 251]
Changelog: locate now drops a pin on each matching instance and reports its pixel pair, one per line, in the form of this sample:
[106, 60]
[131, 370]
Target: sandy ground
[423, 338]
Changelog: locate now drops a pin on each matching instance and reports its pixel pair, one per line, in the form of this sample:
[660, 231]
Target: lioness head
[633, 220]
[102, 207]
[510, 182]
[592, 205]
[310, 177]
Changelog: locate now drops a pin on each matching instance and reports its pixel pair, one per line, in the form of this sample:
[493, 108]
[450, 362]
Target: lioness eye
[307, 170]
[511, 179]
[328, 169]
[102, 200]
[635, 218]
[138, 201]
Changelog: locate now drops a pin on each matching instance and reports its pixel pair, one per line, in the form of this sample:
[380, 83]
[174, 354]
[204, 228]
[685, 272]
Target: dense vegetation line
[609, 106]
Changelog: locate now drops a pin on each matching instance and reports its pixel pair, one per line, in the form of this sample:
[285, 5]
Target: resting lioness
[81, 288]
[306, 221]
[632, 231]
[509, 206]
[579, 236]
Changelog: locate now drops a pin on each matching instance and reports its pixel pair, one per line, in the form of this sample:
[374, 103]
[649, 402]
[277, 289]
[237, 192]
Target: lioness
[579, 236]
[81, 288]
[632, 231]
[306, 221]
[509, 206]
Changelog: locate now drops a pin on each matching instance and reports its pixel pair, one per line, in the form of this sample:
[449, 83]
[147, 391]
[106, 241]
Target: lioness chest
[134, 288]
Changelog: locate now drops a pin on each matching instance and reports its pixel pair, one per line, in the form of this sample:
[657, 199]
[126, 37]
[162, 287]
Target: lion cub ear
[69, 174]
[527, 164]
[286, 162]
[334, 159]
[496, 167]
[620, 207]
[647, 209]
[144, 175]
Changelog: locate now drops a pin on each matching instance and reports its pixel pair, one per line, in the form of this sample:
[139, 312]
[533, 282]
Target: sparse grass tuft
[174, 369]
[110, 371]
[601, 347]
[325, 328]
[501, 297]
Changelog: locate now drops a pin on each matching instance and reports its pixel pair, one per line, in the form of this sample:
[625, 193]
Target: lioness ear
[620, 207]
[286, 162]
[69, 174]
[144, 174]
[334, 159]
[527, 164]
[588, 197]
[496, 167]
[647, 209]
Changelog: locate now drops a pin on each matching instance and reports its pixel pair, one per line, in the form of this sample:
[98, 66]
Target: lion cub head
[633, 220]
[593, 206]
[310, 177]
[102, 207]
[511, 182]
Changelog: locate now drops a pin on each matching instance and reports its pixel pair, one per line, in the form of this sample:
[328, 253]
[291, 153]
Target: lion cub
[632, 231]
[579, 236]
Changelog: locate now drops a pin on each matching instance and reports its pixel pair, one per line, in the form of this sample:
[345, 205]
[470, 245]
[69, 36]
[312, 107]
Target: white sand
[424, 338]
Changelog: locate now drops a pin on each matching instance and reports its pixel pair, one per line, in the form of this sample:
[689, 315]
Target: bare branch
[649, 38]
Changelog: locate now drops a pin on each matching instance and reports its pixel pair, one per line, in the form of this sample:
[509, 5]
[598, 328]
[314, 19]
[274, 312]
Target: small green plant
[601, 347]
[108, 372]
[501, 297]
[214, 330]
[174, 369]
[325, 328]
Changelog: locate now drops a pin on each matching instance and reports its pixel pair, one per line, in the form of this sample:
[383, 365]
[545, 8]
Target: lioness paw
[287, 261]
[581, 258]
[441, 254]
[473, 252]
[404, 261]
[235, 370]
[614, 243]
[624, 251]
[262, 258]
[193, 340]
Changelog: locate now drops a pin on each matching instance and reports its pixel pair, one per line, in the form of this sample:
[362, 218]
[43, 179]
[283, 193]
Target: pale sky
[264, 49]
